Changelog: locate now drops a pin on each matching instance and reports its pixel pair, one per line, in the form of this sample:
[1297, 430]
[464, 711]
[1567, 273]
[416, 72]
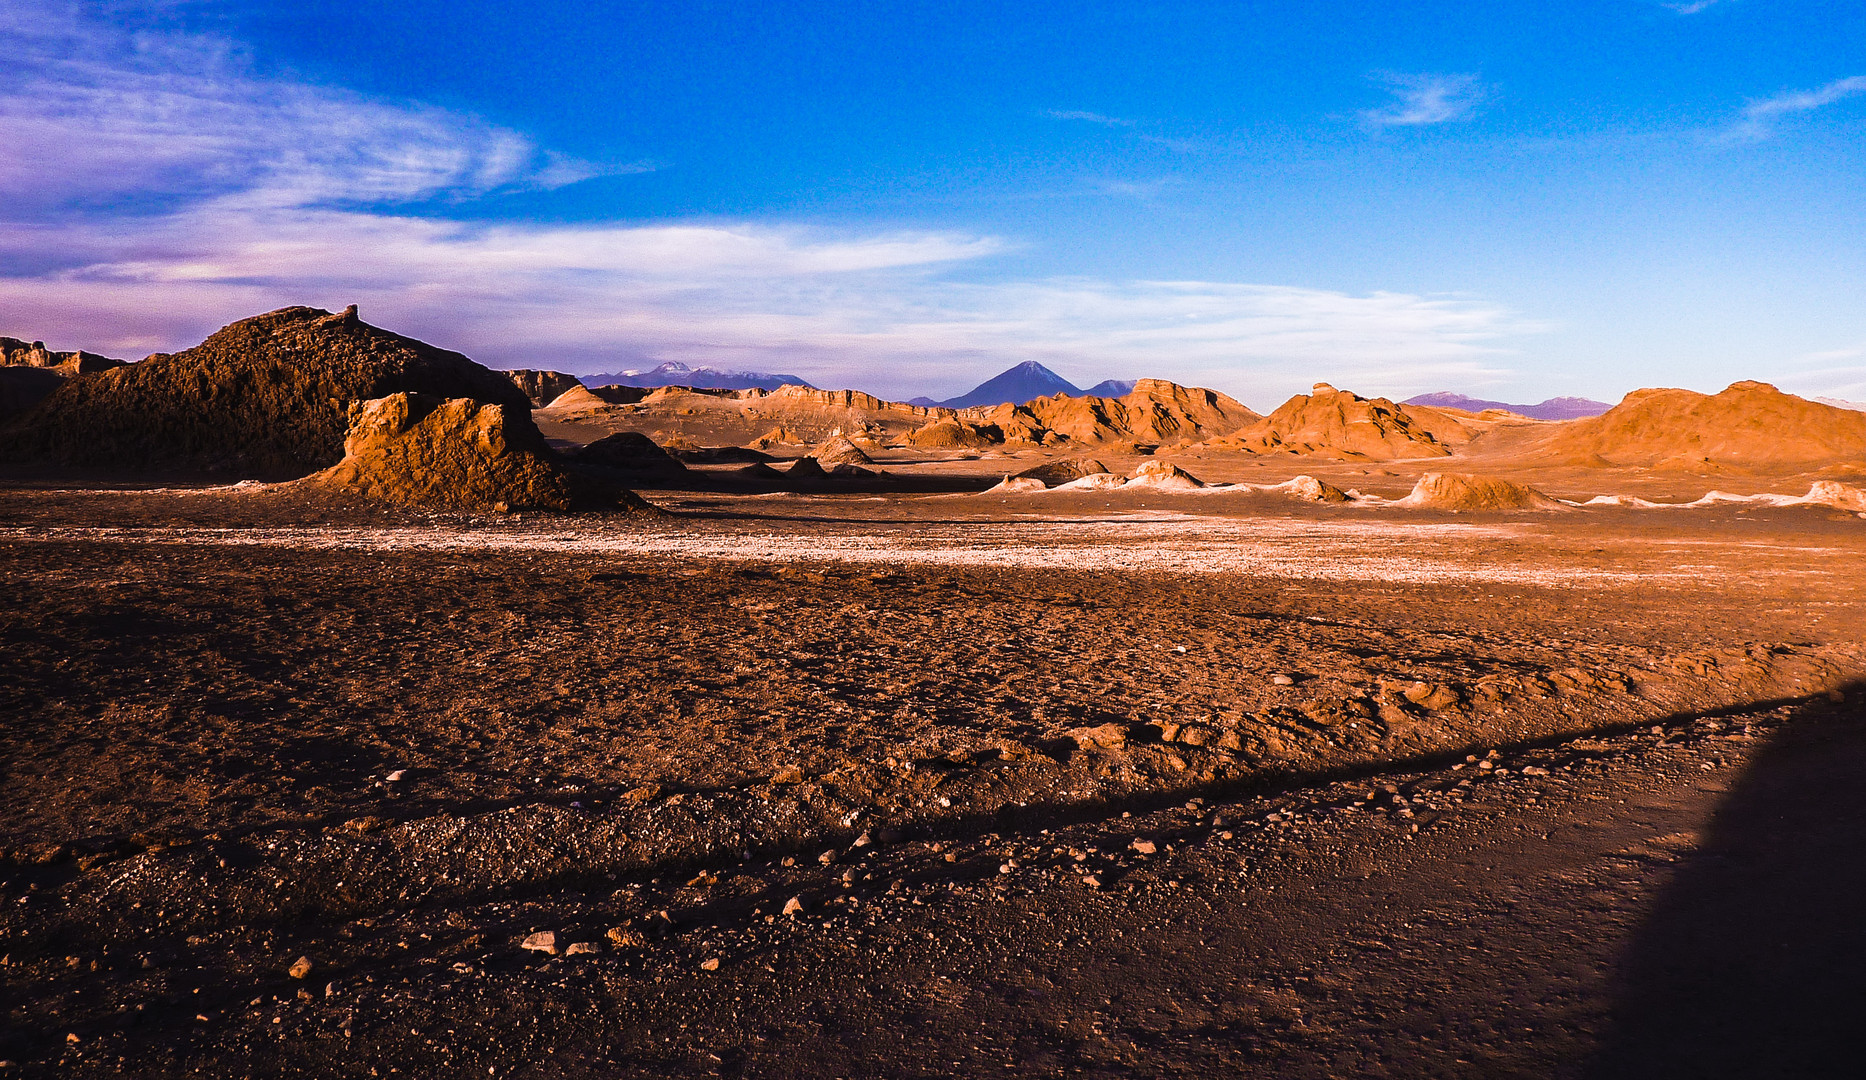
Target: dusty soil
[246, 727]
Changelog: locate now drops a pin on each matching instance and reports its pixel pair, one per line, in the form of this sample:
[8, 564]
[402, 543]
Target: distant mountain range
[674, 373]
[1560, 408]
[1843, 403]
[1025, 383]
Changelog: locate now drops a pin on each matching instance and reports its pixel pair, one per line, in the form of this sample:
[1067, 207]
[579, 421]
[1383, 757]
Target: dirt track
[595, 722]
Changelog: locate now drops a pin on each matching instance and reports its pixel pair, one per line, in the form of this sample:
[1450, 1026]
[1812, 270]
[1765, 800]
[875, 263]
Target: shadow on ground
[1754, 961]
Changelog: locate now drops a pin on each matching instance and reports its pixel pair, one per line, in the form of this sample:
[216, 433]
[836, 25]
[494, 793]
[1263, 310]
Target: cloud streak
[1759, 115]
[1089, 117]
[1422, 100]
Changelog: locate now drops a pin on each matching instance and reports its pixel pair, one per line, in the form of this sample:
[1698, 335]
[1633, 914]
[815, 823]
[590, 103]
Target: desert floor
[928, 785]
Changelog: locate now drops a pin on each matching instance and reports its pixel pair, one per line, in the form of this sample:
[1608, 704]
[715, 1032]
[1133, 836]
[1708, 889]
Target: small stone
[1486, 766]
[863, 840]
[396, 775]
[300, 967]
[827, 857]
[72, 1037]
[789, 774]
[1091, 881]
[624, 938]
[1282, 680]
[793, 906]
[710, 965]
[544, 941]
[581, 948]
[1145, 847]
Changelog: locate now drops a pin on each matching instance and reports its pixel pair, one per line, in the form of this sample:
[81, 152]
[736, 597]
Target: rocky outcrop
[1164, 476]
[420, 450]
[542, 387]
[1457, 491]
[1747, 424]
[1053, 473]
[34, 354]
[951, 433]
[838, 450]
[267, 397]
[1156, 412]
[631, 453]
[1333, 423]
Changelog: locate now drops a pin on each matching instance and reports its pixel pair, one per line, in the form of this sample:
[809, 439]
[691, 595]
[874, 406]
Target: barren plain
[1160, 784]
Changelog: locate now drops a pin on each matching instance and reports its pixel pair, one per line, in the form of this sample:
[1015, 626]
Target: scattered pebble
[581, 948]
[1145, 847]
[300, 967]
[710, 965]
[544, 941]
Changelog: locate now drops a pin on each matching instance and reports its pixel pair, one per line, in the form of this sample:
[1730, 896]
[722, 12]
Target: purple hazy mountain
[675, 373]
[1024, 383]
[1559, 408]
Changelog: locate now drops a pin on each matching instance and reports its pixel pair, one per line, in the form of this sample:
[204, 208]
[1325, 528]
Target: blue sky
[1515, 200]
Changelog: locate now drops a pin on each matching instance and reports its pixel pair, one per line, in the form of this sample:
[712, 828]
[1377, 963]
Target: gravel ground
[1074, 810]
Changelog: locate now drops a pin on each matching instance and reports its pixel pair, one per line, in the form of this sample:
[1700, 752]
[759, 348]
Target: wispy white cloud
[110, 114]
[1090, 117]
[1691, 8]
[251, 193]
[1759, 115]
[1425, 99]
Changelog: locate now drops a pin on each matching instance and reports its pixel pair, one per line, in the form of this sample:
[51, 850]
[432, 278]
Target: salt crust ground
[1332, 551]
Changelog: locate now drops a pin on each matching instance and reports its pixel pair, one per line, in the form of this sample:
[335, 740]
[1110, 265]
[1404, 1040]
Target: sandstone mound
[630, 452]
[1016, 485]
[838, 450]
[594, 398]
[542, 387]
[1459, 491]
[264, 397]
[1164, 476]
[420, 450]
[1312, 490]
[1063, 472]
[1336, 423]
[1749, 423]
[950, 434]
[1096, 482]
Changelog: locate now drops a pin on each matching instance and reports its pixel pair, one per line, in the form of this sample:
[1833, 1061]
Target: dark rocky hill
[266, 398]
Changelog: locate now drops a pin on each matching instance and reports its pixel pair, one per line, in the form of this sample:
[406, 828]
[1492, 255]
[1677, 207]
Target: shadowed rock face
[417, 450]
[629, 451]
[266, 397]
